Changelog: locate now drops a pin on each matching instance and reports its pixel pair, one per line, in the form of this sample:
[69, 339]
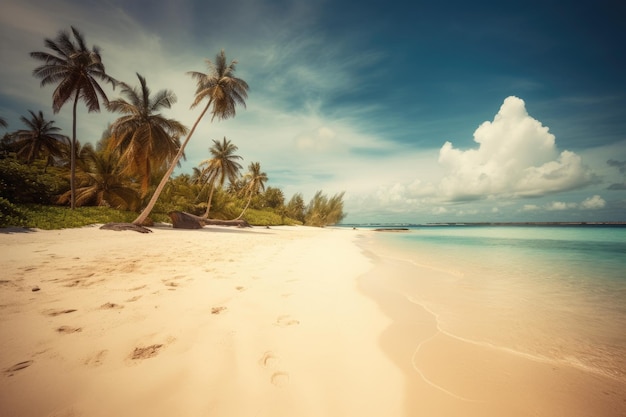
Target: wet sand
[450, 371]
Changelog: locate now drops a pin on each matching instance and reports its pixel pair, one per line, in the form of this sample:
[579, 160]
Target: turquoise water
[550, 293]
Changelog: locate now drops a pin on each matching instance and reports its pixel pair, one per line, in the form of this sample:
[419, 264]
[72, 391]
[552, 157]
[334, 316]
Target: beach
[281, 321]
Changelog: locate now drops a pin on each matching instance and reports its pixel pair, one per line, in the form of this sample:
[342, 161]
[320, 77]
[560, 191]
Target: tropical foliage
[131, 166]
[101, 181]
[76, 70]
[223, 165]
[22, 183]
[323, 210]
[223, 91]
[143, 137]
[40, 140]
[254, 184]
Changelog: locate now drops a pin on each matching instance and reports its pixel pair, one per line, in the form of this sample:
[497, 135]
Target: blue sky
[420, 112]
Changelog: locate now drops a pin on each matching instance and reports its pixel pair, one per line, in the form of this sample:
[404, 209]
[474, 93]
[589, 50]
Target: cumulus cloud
[516, 157]
[593, 203]
[530, 207]
[559, 206]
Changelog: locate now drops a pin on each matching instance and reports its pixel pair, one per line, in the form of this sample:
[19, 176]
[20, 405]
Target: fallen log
[237, 223]
[184, 220]
[125, 226]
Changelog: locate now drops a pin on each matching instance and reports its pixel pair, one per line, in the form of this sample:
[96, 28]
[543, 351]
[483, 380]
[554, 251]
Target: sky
[449, 111]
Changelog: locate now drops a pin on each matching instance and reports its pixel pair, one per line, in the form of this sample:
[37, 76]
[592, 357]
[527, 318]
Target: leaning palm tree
[144, 138]
[39, 140]
[76, 69]
[3, 123]
[255, 183]
[223, 165]
[223, 91]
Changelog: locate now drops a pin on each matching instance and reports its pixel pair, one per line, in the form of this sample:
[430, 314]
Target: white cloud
[593, 203]
[530, 207]
[516, 157]
[560, 206]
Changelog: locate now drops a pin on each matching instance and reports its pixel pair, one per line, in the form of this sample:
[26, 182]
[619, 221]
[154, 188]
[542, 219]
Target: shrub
[21, 183]
[10, 214]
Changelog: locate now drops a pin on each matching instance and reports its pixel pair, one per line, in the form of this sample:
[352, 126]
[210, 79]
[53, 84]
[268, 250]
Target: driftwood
[183, 220]
[125, 226]
[215, 222]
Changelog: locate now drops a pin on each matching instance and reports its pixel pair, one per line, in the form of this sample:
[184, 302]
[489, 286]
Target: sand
[286, 321]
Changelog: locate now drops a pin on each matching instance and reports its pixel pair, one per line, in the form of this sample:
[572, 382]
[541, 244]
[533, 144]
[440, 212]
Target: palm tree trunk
[73, 155]
[146, 211]
[245, 208]
[208, 206]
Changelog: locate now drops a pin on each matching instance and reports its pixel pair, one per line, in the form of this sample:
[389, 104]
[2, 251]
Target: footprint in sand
[97, 359]
[68, 329]
[268, 360]
[18, 367]
[111, 306]
[54, 313]
[171, 285]
[279, 379]
[146, 352]
[141, 287]
[217, 310]
[286, 321]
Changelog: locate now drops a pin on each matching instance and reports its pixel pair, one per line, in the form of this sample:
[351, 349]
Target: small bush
[267, 218]
[11, 215]
[55, 217]
[23, 184]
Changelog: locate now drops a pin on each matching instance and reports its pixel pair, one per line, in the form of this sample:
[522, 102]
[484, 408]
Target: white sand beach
[286, 321]
[219, 321]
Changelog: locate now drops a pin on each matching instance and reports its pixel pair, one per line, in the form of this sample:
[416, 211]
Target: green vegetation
[76, 70]
[128, 173]
[36, 196]
[56, 217]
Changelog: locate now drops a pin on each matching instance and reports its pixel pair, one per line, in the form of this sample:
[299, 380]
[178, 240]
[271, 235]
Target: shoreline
[266, 322]
[452, 375]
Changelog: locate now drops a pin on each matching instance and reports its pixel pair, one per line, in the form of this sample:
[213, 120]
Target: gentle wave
[563, 289]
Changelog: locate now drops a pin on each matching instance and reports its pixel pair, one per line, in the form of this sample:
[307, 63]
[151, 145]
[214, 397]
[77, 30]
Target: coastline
[453, 374]
[265, 322]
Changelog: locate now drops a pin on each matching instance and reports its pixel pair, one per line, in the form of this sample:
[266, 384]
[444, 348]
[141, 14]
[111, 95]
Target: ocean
[550, 293]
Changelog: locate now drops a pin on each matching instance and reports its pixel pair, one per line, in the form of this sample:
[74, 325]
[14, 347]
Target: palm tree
[3, 123]
[255, 183]
[101, 181]
[76, 69]
[144, 138]
[223, 91]
[39, 140]
[220, 167]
